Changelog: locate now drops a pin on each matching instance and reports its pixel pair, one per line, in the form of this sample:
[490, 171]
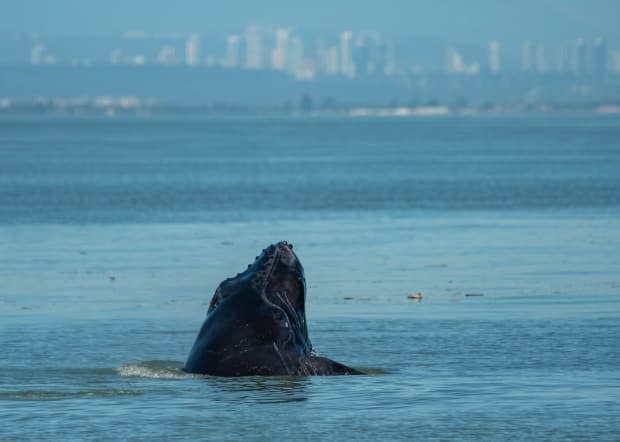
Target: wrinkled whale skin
[256, 324]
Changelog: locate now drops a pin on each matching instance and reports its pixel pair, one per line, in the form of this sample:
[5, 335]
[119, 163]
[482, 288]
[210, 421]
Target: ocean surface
[114, 233]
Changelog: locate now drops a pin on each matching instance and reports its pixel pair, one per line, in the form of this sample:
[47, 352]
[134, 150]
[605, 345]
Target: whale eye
[218, 296]
[214, 302]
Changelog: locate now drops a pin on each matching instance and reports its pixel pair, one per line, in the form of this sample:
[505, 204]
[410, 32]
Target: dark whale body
[256, 324]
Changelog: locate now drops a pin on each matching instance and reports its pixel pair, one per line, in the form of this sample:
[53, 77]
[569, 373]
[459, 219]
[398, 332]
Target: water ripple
[38, 395]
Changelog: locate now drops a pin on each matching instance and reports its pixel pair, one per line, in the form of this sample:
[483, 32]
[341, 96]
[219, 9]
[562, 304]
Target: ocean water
[114, 233]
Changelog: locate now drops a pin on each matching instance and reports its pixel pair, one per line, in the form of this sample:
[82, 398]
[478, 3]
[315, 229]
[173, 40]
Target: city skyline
[348, 53]
[392, 53]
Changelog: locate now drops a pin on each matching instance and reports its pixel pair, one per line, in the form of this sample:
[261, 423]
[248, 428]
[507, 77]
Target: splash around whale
[256, 324]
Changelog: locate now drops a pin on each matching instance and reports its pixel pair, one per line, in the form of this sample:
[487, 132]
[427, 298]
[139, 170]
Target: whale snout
[286, 254]
[276, 260]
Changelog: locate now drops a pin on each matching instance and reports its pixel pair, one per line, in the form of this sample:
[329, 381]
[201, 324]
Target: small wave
[26, 395]
[154, 369]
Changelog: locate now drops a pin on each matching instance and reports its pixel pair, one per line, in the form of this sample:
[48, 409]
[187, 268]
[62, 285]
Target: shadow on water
[373, 371]
[259, 389]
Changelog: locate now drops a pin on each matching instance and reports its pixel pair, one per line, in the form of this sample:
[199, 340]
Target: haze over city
[469, 22]
[394, 52]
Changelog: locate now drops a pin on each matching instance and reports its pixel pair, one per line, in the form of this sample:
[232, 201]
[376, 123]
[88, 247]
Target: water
[115, 232]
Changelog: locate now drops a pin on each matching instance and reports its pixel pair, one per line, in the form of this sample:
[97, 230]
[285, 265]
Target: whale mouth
[282, 285]
[285, 290]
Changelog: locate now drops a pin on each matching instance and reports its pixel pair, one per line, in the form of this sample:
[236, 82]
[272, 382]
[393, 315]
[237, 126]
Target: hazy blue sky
[463, 20]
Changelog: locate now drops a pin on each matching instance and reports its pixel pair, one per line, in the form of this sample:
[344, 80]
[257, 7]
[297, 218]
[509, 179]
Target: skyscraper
[331, 63]
[116, 56]
[494, 62]
[579, 57]
[231, 59]
[361, 56]
[347, 68]
[615, 62]
[192, 50]
[253, 48]
[389, 67]
[564, 63]
[167, 55]
[599, 57]
[453, 63]
[279, 54]
[36, 53]
[295, 61]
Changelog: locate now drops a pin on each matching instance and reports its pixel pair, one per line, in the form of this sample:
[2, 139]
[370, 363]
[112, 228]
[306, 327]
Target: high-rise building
[579, 57]
[116, 56]
[494, 61]
[347, 68]
[615, 62]
[563, 60]
[295, 61]
[361, 56]
[279, 54]
[231, 59]
[599, 57]
[137, 60]
[331, 61]
[541, 59]
[192, 49]
[253, 48]
[39, 55]
[167, 55]
[389, 66]
[453, 62]
[36, 53]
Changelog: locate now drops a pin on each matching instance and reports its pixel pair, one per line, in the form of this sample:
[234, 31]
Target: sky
[467, 21]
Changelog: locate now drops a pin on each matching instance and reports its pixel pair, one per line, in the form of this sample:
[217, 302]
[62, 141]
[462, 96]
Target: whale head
[256, 323]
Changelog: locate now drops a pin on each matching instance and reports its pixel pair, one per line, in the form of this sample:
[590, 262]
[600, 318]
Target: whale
[256, 324]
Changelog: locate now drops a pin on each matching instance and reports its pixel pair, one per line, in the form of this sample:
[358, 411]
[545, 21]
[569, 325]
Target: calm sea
[114, 233]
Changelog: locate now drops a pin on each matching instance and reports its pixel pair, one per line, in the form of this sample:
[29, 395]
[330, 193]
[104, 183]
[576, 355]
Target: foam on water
[154, 369]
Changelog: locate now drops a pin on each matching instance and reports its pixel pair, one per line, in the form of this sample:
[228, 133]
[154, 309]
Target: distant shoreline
[108, 106]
